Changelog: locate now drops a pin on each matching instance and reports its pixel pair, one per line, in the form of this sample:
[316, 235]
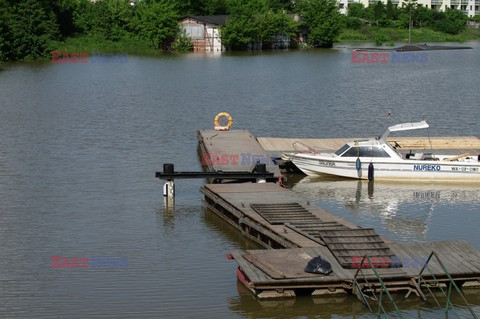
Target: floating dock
[295, 231]
[299, 231]
[459, 144]
[236, 150]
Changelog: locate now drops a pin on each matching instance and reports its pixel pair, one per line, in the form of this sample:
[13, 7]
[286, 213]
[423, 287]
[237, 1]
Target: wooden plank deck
[280, 214]
[235, 150]
[236, 199]
[345, 244]
[271, 269]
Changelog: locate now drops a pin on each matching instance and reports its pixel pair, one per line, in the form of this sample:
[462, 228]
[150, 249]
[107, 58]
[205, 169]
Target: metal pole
[410, 22]
[169, 189]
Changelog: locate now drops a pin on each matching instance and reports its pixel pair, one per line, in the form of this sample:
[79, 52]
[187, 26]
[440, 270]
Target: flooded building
[204, 32]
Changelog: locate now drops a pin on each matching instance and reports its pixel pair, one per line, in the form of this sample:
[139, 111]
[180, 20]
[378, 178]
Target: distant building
[204, 32]
[468, 7]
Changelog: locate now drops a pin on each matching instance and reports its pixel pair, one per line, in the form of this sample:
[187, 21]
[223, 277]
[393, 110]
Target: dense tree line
[260, 21]
[450, 21]
[29, 27]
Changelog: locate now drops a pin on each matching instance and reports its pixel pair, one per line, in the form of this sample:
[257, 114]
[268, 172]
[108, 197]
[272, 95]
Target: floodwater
[80, 144]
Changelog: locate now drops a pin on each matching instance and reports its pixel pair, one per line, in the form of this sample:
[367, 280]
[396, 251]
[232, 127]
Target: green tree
[453, 23]
[280, 5]
[242, 28]
[156, 21]
[356, 10]
[83, 16]
[214, 7]
[390, 10]
[28, 28]
[322, 17]
[352, 23]
[111, 18]
[256, 22]
[239, 32]
[4, 31]
[201, 7]
[64, 10]
[378, 11]
[422, 17]
[271, 24]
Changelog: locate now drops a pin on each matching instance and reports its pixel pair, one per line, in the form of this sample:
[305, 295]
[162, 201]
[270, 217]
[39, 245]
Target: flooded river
[80, 144]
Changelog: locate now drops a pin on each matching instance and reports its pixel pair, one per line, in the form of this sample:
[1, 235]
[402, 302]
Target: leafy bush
[254, 22]
[453, 23]
[27, 27]
[356, 10]
[352, 35]
[353, 23]
[182, 43]
[380, 37]
[157, 22]
[322, 17]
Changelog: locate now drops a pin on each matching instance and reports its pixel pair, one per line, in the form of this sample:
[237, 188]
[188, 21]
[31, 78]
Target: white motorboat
[376, 158]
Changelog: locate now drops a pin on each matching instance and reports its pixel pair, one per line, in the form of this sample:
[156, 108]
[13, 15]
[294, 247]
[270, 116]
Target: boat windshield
[342, 149]
[366, 151]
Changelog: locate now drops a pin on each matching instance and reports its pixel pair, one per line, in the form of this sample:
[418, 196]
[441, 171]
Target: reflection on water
[346, 306]
[246, 305]
[80, 144]
[404, 211]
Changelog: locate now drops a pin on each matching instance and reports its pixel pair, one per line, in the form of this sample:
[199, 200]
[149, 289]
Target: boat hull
[389, 169]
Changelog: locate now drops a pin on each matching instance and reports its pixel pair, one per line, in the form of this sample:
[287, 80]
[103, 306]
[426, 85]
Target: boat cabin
[370, 148]
[378, 147]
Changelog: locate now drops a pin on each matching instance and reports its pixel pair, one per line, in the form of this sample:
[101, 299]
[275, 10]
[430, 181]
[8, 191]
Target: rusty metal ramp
[350, 245]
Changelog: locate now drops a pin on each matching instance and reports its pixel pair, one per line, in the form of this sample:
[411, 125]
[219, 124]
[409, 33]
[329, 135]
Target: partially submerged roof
[414, 47]
[216, 20]
[426, 47]
[404, 127]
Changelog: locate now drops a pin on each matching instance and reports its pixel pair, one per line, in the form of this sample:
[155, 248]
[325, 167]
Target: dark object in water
[318, 265]
[414, 47]
[426, 47]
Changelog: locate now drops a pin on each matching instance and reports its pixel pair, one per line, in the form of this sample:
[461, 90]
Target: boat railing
[302, 147]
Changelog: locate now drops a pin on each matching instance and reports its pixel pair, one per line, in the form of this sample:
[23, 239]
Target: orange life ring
[218, 127]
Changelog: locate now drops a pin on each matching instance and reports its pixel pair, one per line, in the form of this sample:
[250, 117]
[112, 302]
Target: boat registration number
[464, 169]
